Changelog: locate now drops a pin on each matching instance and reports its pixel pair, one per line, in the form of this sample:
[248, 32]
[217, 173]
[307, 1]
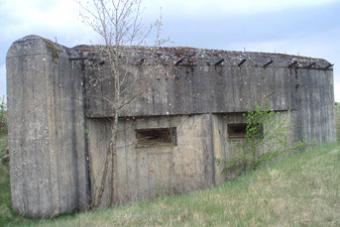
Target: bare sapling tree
[119, 24]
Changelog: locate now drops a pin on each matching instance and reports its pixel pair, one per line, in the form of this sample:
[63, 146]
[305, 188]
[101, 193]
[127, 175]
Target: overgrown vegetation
[5, 211]
[3, 116]
[5, 199]
[267, 136]
[255, 121]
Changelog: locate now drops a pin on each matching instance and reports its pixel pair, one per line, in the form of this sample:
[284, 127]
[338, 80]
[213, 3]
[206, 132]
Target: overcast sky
[303, 27]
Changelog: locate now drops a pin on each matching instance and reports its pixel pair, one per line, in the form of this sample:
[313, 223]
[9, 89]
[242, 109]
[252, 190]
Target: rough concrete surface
[59, 120]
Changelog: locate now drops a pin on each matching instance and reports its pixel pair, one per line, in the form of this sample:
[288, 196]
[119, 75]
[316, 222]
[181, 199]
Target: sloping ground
[301, 189]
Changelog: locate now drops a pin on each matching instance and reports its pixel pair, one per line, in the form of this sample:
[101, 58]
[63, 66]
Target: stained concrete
[59, 119]
[145, 172]
[46, 129]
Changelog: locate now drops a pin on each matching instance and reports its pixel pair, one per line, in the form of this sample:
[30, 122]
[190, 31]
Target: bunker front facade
[188, 116]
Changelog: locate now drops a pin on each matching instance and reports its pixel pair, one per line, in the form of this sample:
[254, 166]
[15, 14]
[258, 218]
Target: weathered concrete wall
[197, 91]
[145, 172]
[313, 97]
[191, 164]
[197, 85]
[46, 129]
[219, 146]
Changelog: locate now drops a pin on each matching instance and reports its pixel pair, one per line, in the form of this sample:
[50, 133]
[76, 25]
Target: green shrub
[267, 137]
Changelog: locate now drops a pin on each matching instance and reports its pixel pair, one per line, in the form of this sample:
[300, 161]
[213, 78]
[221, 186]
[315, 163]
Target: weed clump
[3, 117]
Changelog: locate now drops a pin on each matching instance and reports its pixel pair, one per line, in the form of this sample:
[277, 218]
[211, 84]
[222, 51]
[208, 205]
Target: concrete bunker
[169, 138]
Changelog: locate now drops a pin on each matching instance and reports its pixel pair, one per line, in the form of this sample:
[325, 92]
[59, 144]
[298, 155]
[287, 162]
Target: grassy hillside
[302, 189]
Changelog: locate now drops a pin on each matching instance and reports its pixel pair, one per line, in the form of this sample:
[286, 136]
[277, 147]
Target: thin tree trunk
[110, 157]
[97, 198]
[114, 136]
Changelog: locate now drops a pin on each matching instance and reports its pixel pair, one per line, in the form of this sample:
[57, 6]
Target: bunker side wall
[313, 95]
[46, 129]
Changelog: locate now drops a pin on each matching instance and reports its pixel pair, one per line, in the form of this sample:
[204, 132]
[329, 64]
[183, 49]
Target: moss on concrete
[55, 51]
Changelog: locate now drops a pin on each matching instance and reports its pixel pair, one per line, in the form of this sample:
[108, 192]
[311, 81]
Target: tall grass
[6, 214]
[3, 116]
[5, 211]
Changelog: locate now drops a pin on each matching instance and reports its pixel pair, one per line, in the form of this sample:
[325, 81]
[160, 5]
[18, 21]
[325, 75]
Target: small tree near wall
[267, 134]
[119, 24]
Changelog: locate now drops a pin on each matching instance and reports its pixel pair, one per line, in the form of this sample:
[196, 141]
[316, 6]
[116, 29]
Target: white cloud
[191, 7]
[37, 12]
[64, 14]
[58, 16]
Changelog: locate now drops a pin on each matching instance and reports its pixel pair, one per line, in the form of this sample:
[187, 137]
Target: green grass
[5, 199]
[300, 189]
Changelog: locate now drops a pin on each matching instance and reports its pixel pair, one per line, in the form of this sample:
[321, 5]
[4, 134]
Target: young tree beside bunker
[119, 25]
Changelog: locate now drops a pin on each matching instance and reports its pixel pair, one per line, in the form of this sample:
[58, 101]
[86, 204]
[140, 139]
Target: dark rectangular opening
[156, 137]
[237, 130]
